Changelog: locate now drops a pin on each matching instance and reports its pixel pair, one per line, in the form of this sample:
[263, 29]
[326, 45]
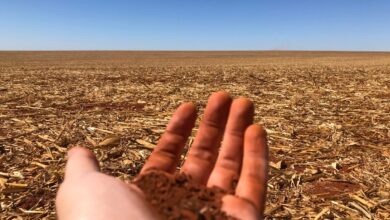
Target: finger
[203, 153]
[239, 208]
[252, 184]
[167, 153]
[228, 165]
[81, 161]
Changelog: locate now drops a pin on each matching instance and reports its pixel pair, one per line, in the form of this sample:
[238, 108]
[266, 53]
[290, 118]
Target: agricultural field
[327, 115]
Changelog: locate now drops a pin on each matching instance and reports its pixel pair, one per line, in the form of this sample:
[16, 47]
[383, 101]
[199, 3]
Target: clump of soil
[177, 197]
[332, 189]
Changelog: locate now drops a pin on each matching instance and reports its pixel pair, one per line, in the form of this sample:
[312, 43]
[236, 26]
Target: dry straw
[327, 115]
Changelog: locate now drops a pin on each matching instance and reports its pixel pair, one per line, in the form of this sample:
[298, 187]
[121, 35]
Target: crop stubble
[327, 115]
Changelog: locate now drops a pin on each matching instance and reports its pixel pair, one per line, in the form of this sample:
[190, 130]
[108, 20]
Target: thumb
[81, 161]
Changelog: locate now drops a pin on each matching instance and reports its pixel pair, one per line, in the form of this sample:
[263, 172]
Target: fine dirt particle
[177, 197]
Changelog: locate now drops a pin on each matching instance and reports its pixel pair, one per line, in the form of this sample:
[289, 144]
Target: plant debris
[327, 116]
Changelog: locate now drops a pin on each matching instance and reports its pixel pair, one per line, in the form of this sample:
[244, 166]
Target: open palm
[227, 148]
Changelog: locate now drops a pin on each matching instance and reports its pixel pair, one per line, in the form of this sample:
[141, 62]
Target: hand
[88, 194]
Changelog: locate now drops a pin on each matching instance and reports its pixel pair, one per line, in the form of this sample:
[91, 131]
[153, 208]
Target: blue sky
[195, 25]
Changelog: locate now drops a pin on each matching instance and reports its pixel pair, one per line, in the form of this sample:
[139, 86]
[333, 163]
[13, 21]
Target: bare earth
[327, 115]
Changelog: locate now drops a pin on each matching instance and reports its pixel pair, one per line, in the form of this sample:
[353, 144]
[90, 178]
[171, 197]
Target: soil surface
[177, 197]
[332, 189]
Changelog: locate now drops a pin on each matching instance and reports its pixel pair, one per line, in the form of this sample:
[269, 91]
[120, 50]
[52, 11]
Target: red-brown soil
[177, 197]
[332, 189]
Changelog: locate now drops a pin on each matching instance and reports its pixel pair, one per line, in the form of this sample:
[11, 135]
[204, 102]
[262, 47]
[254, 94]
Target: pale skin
[227, 146]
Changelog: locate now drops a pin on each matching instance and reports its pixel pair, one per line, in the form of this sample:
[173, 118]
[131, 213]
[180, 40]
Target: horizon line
[125, 50]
